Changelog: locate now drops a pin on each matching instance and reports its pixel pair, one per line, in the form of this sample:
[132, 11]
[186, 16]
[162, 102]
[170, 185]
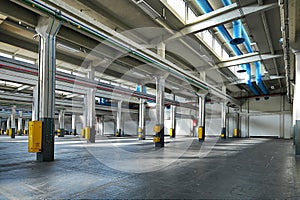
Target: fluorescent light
[139, 74]
[67, 48]
[23, 87]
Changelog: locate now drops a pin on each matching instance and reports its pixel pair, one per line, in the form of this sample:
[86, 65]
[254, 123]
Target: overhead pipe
[238, 29]
[237, 33]
[167, 66]
[206, 8]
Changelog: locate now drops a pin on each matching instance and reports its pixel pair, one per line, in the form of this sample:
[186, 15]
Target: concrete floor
[113, 168]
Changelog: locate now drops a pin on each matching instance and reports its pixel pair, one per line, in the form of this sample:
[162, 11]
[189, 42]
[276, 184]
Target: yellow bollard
[87, 133]
[200, 133]
[235, 132]
[171, 132]
[82, 132]
[58, 132]
[10, 132]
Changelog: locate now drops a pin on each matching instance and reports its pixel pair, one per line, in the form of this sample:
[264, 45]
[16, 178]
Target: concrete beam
[18, 13]
[219, 17]
[246, 58]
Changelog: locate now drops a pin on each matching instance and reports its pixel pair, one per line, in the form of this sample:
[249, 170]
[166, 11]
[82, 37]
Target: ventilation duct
[240, 33]
[206, 8]
[237, 33]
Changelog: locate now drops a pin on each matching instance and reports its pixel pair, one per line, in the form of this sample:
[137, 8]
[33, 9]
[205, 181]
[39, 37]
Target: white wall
[266, 117]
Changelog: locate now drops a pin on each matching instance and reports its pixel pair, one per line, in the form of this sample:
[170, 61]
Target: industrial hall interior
[149, 99]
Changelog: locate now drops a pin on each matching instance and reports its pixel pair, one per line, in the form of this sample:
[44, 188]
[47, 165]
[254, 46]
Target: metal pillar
[13, 122]
[90, 132]
[160, 109]
[61, 119]
[223, 120]
[47, 29]
[201, 117]
[2, 126]
[26, 126]
[119, 119]
[173, 119]
[7, 125]
[20, 127]
[35, 104]
[141, 128]
[74, 124]
[296, 109]
[236, 131]
[102, 125]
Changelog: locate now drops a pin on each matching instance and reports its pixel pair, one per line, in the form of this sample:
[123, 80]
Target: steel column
[26, 126]
[61, 119]
[90, 131]
[13, 122]
[173, 119]
[119, 119]
[141, 128]
[296, 109]
[223, 120]
[201, 117]
[8, 123]
[35, 104]
[47, 29]
[102, 125]
[236, 131]
[20, 128]
[74, 124]
[160, 110]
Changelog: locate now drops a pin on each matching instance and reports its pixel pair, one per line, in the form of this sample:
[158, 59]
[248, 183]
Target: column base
[47, 153]
[118, 133]
[12, 132]
[159, 138]
[141, 134]
[223, 133]
[236, 133]
[172, 133]
[74, 132]
[201, 133]
[297, 137]
[92, 137]
[61, 132]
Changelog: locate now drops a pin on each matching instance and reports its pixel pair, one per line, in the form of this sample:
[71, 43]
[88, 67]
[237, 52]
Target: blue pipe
[206, 8]
[237, 33]
[258, 78]
[237, 28]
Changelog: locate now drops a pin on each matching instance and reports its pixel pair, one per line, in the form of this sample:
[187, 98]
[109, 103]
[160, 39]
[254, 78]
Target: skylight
[25, 60]
[179, 7]
[5, 55]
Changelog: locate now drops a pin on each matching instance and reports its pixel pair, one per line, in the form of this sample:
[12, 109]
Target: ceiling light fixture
[67, 48]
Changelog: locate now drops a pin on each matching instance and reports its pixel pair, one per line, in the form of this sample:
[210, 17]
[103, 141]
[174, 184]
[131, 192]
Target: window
[5, 55]
[63, 70]
[207, 37]
[218, 48]
[191, 15]
[179, 7]
[225, 55]
[25, 60]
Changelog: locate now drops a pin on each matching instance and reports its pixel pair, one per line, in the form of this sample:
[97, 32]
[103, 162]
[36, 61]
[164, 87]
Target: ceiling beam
[18, 13]
[219, 17]
[246, 58]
